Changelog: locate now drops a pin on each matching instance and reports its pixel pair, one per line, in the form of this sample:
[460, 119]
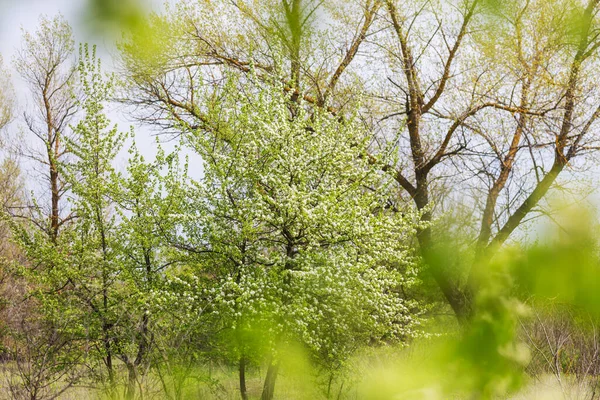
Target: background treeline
[341, 211]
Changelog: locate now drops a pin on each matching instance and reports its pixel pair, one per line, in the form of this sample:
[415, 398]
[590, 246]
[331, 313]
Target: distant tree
[43, 360]
[12, 196]
[6, 98]
[47, 64]
[42, 339]
[103, 267]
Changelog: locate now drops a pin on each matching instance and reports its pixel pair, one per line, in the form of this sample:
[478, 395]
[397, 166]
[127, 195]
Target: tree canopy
[340, 180]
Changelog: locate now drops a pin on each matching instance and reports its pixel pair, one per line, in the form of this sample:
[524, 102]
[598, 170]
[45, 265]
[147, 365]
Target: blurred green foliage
[112, 17]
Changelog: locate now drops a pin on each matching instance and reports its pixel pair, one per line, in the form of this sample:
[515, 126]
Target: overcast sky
[18, 15]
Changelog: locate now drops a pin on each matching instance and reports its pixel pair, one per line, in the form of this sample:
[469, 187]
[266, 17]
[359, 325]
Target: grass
[374, 374]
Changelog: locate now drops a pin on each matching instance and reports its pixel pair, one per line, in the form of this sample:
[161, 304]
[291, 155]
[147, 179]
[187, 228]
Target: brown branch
[505, 170]
[560, 160]
[351, 53]
[416, 96]
[466, 115]
[448, 65]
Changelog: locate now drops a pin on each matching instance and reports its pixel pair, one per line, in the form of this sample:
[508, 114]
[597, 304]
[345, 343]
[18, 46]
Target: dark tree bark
[242, 375]
[269, 386]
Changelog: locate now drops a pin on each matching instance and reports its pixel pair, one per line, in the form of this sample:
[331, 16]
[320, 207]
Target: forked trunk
[131, 382]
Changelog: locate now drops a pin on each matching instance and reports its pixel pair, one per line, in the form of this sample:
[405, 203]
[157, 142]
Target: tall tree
[46, 62]
[94, 269]
[480, 100]
[112, 253]
[294, 227]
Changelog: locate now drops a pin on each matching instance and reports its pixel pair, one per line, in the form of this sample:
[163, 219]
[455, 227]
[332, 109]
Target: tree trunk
[54, 216]
[329, 385]
[108, 357]
[243, 390]
[460, 301]
[131, 382]
[269, 387]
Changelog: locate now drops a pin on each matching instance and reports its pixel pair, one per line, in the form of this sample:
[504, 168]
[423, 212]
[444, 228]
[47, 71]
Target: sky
[19, 15]
[24, 14]
[16, 15]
